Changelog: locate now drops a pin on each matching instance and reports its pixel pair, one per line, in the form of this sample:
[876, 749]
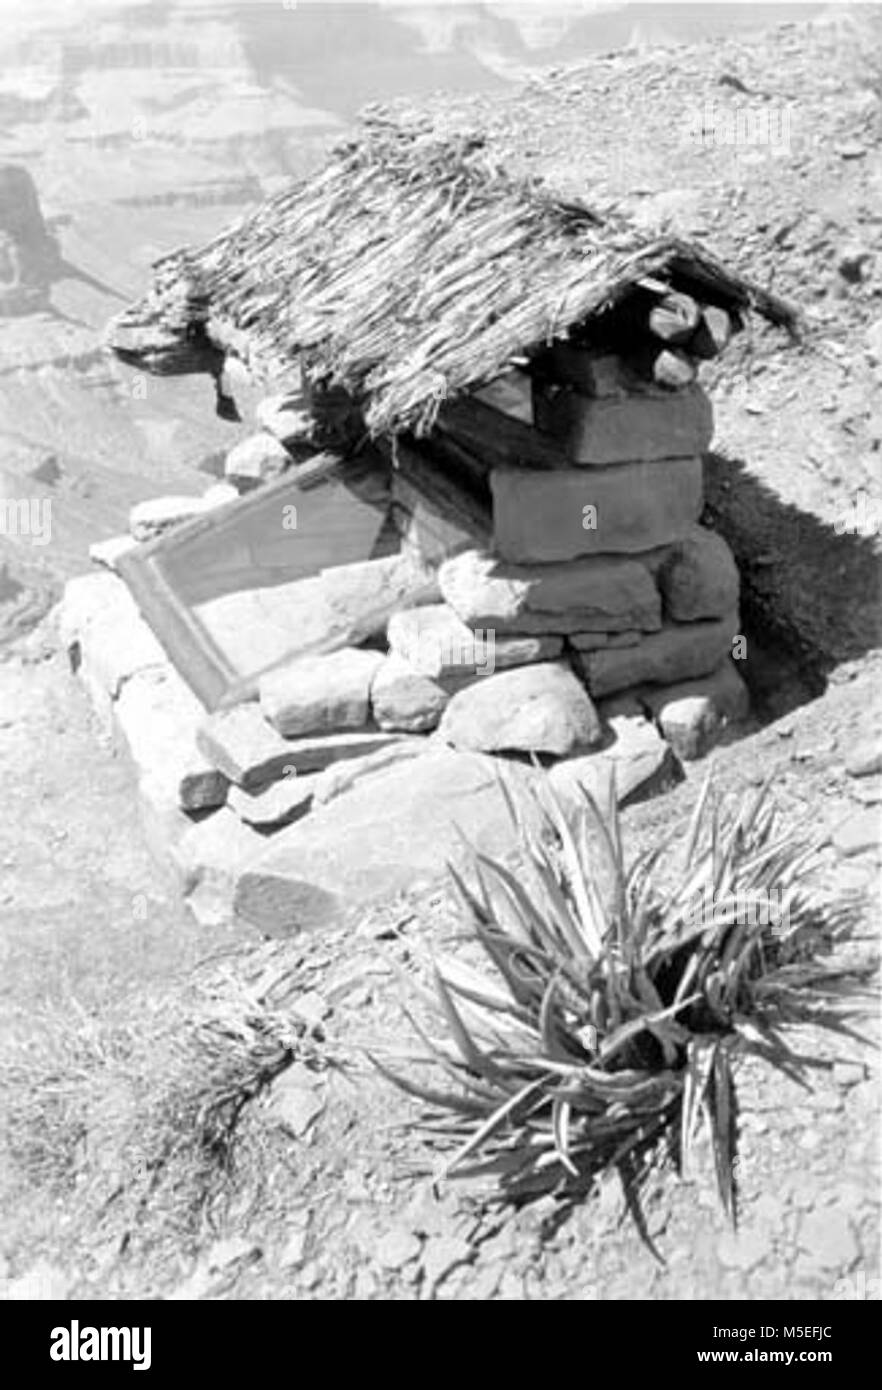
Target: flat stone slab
[389, 833]
[252, 754]
[342, 606]
[138, 695]
[603, 594]
[541, 708]
[101, 628]
[247, 749]
[546, 516]
[320, 694]
[681, 651]
[437, 643]
[158, 716]
[627, 429]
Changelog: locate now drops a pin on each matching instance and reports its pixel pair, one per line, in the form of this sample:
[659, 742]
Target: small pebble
[848, 1074]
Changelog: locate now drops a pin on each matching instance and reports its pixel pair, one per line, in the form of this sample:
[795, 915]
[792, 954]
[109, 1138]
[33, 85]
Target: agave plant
[619, 997]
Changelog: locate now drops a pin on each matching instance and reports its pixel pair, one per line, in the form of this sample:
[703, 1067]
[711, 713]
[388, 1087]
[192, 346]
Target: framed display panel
[308, 563]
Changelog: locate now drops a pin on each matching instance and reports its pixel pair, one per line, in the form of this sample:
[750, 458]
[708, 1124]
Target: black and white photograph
[440, 668]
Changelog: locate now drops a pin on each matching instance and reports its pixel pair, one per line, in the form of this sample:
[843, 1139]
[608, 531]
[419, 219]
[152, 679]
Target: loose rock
[637, 764]
[402, 698]
[858, 834]
[255, 460]
[397, 1248]
[865, 760]
[828, 1239]
[692, 714]
[540, 708]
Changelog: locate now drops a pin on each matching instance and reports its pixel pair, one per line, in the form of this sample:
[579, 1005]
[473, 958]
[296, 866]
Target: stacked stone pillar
[596, 560]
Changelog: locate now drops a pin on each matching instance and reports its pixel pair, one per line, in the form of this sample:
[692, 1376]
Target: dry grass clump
[620, 997]
[151, 1120]
[195, 1151]
[49, 1072]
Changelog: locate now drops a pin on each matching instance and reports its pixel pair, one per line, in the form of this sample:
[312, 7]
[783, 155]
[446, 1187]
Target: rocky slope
[325, 1203]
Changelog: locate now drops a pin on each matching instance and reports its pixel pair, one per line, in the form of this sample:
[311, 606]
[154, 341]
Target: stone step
[391, 833]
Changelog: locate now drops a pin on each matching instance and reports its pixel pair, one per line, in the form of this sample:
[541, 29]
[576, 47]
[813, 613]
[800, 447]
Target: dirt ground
[326, 1195]
[115, 1005]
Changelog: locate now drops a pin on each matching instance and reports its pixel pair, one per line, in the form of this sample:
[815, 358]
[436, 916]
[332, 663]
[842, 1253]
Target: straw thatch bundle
[411, 269]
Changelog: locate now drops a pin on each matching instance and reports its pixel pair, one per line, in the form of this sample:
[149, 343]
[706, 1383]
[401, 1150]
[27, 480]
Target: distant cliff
[28, 253]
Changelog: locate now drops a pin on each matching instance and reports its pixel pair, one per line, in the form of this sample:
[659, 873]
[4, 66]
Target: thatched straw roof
[411, 269]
